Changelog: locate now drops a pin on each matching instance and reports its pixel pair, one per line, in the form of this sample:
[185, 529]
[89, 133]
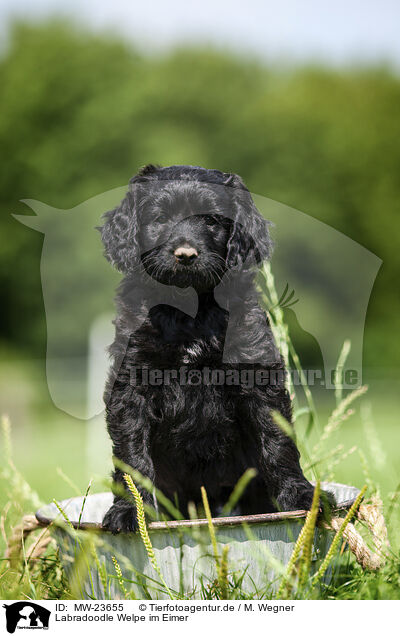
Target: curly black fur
[182, 436]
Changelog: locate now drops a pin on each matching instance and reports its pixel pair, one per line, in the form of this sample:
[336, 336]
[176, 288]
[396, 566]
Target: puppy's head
[186, 226]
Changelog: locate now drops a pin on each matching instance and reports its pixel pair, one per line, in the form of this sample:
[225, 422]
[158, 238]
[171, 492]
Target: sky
[339, 32]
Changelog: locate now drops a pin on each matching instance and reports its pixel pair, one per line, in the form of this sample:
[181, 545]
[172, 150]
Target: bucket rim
[42, 515]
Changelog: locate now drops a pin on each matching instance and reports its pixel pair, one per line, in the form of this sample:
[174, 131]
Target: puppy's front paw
[295, 497]
[121, 517]
[300, 496]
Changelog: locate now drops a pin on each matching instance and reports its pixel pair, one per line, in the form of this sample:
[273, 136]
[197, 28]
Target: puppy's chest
[188, 417]
[183, 391]
[187, 399]
[196, 352]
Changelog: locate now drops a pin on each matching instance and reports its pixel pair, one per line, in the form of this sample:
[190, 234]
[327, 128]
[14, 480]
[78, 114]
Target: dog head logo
[26, 615]
[332, 276]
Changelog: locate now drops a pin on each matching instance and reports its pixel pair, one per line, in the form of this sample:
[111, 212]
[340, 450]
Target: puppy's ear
[119, 234]
[250, 239]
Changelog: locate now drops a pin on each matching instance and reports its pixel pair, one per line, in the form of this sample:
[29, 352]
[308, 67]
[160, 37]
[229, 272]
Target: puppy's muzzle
[185, 254]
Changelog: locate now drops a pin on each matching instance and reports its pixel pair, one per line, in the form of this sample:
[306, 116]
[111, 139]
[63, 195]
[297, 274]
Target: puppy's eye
[160, 217]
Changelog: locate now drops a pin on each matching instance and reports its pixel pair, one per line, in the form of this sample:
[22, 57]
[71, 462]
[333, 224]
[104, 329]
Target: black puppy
[180, 407]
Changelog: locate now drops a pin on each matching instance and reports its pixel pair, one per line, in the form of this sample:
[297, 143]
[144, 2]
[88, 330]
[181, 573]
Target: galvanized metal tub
[260, 547]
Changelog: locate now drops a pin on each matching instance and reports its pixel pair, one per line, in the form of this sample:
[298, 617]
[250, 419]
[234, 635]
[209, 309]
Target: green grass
[45, 578]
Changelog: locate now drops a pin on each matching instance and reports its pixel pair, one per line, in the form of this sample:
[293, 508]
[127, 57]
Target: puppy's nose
[185, 254]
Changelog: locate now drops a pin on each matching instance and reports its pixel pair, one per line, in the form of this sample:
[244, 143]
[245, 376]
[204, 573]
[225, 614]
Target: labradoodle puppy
[196, 372]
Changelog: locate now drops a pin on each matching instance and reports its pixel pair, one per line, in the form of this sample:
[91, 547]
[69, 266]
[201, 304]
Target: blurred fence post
[98, 451]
